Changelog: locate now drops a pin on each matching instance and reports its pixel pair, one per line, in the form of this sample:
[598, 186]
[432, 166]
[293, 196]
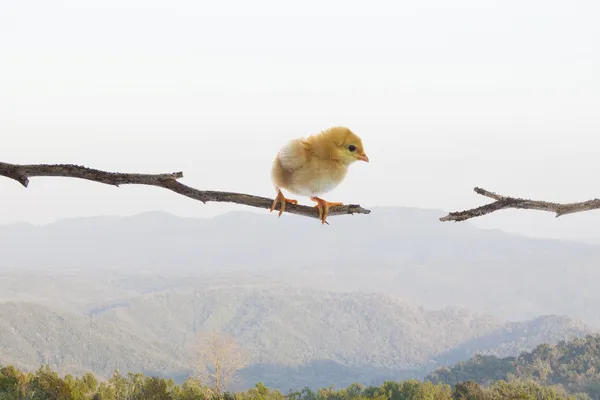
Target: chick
[315, 165]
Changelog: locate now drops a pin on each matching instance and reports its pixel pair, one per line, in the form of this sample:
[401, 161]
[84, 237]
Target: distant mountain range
[294, 338]
[402, 251]
[388, 295]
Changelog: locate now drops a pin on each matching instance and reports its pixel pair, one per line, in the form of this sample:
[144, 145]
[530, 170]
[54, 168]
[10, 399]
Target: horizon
[257, 212]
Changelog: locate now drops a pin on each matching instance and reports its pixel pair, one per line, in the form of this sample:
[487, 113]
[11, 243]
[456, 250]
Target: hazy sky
[446, 95]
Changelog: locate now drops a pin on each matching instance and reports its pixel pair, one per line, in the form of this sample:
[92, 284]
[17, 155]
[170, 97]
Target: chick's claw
[281, 199]
[323, 206]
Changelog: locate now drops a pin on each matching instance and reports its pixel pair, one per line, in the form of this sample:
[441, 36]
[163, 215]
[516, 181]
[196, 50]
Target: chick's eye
[352, 148]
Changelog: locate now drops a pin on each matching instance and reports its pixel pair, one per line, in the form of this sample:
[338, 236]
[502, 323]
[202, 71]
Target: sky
[446, 95]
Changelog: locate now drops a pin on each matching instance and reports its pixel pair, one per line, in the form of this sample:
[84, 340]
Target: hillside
[293, 327]
[31, 335]
[385, 296]
[573, 364]
[294, 337]
[401, 251]
[514, 337]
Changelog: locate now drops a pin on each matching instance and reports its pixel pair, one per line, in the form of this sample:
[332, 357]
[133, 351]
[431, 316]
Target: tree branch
[22, 173]
[504, 202]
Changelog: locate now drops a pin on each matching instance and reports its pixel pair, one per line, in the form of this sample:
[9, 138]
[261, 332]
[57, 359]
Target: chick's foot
[281, 199]
[323, 206]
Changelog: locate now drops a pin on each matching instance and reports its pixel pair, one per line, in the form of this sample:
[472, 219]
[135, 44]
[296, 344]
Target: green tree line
[46, 384]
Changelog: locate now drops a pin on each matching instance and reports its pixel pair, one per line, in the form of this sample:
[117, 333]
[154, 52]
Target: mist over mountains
[402, 251]
[389, 295]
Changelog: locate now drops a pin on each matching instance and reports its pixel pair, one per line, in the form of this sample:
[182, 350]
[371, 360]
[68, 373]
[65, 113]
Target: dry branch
[505, 202]
[22, 173]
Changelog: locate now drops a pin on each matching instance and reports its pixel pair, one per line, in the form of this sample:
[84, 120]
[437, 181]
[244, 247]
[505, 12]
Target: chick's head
[347, 147]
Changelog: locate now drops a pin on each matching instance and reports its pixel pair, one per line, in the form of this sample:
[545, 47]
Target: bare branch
[22, 173]
[505, 202]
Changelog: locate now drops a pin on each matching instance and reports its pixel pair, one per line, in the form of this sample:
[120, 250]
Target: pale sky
[446, 95]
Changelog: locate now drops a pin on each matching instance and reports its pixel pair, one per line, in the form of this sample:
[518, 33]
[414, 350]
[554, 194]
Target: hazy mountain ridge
[345, 328]
[316, 337]
[514, 337]
[390, 250]
[31, 335]
[297, 294]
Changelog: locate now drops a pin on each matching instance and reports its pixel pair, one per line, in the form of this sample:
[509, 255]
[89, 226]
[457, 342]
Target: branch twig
[22, 173]
[504, 202]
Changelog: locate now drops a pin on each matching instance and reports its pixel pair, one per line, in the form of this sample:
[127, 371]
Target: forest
[45, 384]
[567, 370]
[574, 365]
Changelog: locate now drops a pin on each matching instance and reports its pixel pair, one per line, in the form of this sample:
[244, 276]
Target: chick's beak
[363, 157]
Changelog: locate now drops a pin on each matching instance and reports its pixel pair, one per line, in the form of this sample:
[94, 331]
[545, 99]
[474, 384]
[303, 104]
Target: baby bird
[315, 165]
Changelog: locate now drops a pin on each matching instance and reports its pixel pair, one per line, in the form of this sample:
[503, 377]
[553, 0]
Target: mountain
[514, 337]
[341, 336]
[31, 335]
[402, 251]
[292, 327]
[293, 337]
[573, 364]
[382, 296]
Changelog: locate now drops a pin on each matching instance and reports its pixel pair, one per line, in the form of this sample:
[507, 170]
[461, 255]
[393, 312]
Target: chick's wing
[293, 155]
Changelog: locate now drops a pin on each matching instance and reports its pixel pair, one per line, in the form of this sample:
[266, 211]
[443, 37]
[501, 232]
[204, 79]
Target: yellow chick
[315, 165]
